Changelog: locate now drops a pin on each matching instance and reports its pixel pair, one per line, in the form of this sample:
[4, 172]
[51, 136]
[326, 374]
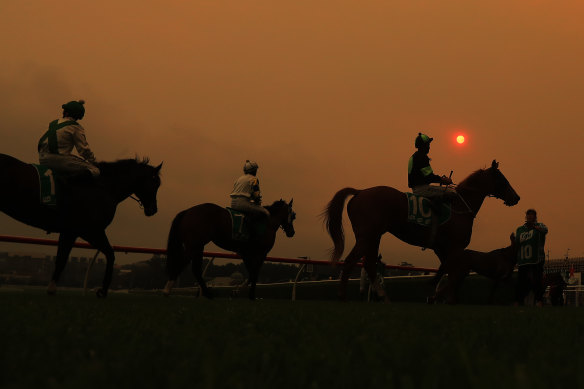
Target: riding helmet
[250, 166]
[75, 108]
[422, 140]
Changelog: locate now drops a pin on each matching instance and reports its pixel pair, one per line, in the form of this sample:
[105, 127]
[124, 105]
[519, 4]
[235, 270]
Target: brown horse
[193, 228]
[86, 206]
[375, 211]
[497, 265]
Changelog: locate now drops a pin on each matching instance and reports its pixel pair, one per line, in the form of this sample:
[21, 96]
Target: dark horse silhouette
[87, 206]
[497, 265]
[375, 211]
[193, 228]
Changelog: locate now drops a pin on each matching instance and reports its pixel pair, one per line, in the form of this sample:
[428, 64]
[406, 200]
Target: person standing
[530, 258]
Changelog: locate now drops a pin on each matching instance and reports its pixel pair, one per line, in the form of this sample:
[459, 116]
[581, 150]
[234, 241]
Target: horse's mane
[470, 181]
[275, 205]
[122, 165]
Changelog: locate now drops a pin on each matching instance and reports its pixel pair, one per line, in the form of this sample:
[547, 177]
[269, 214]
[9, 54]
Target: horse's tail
[174, 248]
[333, 220]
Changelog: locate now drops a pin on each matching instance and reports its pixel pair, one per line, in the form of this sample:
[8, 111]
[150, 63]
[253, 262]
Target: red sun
[460, 139]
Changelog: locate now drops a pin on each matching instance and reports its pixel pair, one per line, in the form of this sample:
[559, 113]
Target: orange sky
[322, 94]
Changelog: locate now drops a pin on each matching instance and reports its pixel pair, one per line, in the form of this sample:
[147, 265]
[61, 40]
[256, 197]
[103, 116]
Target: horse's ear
[159, 167]
[512, 237]
[290, 203]
[495, 164]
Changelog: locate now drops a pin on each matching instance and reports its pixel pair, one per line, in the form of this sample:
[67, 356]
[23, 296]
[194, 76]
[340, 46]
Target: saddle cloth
[244, 227]
[420, 211]
[47, 186]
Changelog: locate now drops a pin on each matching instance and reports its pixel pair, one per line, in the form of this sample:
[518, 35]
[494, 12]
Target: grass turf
[71, 341]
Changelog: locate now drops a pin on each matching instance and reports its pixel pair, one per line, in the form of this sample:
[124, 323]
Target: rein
[469, 209]
[138, 201]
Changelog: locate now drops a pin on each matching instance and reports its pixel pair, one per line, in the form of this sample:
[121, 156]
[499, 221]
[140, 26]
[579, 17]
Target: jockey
[421, 175]
[56, 144]
[246, 195]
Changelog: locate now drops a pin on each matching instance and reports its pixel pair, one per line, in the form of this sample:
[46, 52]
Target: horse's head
[500, 187]
[285, 215]
[146, 187]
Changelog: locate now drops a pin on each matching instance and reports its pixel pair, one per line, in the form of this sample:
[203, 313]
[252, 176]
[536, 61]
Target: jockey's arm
[256, 194]
[541, 228]
[429, 175]
[81, 144]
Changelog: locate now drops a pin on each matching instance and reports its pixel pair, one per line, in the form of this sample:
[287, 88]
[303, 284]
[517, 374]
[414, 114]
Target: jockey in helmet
[246, 195]
[421, 175]
[56, 145]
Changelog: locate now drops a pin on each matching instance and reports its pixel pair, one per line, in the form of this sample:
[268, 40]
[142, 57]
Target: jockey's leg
[66, 240]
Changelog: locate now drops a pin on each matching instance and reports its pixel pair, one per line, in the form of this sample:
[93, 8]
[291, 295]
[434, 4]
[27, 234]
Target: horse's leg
[180, 261]
[100, 242]
[66, 240]
[441, 291]
[351, 260]
[196, 253]
[252, 264]
[493, 290]
[370, 263]
[253, 279]
[455, 286]
[439, 274]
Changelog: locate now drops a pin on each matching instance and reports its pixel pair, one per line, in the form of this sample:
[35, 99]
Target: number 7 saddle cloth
[245, 227]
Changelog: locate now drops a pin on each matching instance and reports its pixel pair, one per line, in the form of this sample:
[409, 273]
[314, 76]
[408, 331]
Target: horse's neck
[121, 187]
[274, 222]
[474, 198]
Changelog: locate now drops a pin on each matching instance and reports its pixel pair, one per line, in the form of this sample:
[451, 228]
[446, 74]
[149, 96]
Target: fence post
[296, 281]
[88, 271]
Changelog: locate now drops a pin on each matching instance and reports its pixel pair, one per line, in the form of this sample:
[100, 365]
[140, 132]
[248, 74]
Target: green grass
[147, 341]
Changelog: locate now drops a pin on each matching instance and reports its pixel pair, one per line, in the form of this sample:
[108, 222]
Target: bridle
[138, 201]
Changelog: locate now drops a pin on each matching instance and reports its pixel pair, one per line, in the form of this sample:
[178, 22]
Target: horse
[85, 208]
[377, 210]
[497, 265]
[193, 228]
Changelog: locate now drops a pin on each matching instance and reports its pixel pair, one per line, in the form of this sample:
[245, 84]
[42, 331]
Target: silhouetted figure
[64, 134]
[530, 258]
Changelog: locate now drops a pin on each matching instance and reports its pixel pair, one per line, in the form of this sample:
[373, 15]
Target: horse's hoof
[52, 288]
[430, 300]
[100, 293]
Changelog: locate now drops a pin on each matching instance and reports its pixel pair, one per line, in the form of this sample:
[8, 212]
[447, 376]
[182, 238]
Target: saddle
[246, 227]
